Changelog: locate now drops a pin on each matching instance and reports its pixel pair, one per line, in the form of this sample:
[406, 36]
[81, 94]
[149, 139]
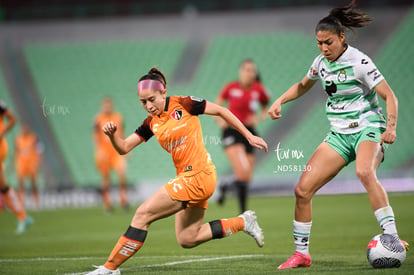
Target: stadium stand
[10, 137]
[396, 65]
[5, 96]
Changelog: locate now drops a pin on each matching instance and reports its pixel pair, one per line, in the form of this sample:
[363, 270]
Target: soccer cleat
[252, 228]
[23, 225]
[405, 245]
[101, 270]
[297, 260]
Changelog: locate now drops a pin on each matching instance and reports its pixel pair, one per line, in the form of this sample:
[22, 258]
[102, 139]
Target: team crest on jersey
[177, 114]
[342, 75]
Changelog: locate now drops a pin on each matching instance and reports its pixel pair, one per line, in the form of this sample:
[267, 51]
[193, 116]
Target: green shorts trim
[347, 144]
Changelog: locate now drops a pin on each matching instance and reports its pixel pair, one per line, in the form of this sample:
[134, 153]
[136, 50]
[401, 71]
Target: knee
[142, 218]
[302, 193]
[364, 174]
[186, 242]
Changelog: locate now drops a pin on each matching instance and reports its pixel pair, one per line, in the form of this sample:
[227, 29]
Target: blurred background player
[106, 157]
[244, 97]
[27, 156]
[359, 130]
[174, 122]
[9, 195]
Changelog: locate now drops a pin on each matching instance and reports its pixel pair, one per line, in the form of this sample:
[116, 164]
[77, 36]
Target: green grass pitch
[72, 240]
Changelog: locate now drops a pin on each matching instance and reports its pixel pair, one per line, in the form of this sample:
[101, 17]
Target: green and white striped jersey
[352, 104]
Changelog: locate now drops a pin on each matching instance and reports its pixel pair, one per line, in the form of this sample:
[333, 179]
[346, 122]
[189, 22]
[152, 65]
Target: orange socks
[226, 227]
[13, 202]
[126, 247]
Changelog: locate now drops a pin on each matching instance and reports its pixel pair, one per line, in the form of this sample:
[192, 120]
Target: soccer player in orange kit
[106, 157]
[27, 157]
[174, 122]
[9, 195]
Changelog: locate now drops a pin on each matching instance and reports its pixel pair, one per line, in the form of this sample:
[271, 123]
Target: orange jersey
[26, 146]
[102, 141]
[178, 131]
[27, 155]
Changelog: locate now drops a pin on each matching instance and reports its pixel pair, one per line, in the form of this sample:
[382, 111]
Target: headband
[149, 84]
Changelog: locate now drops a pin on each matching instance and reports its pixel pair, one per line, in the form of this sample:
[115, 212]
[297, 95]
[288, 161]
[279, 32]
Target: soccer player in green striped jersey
[359, 130]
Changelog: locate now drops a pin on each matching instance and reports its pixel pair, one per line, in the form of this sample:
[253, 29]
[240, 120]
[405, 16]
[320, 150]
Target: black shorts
[231, 136]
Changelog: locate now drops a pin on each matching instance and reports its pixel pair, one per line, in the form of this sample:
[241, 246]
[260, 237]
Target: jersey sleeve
[367, 73]
[3, 107]
[144, 131]
[313, 72]
[193, 105]
[225, 92]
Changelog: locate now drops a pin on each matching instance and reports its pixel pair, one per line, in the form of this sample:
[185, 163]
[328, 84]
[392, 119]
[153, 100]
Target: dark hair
[250, 60]
[340, 19]
[155, 74]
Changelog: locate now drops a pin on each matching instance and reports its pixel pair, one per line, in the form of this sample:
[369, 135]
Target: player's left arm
[387, 94]
[11, 121]
[233, 121]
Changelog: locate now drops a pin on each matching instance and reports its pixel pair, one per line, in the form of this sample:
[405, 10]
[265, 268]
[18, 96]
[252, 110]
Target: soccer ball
[385, 250]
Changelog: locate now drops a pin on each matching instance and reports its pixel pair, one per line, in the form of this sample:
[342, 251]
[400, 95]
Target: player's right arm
[294, 92]
[220, 100]
[11, 121]
[122, 146]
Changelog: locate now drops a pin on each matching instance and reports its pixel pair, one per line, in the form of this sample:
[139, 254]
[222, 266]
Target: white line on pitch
[50, 259]
[218, 258]
[194, 261]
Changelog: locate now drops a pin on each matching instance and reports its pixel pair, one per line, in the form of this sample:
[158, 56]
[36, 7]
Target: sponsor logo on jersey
[330, 87]
[353, 125]
[179, 127]
[313, 72]
[175, 145]
[374, 74]
[155, 128]
[194, 98]
[236, 93]
[342, 75]
[177, 114]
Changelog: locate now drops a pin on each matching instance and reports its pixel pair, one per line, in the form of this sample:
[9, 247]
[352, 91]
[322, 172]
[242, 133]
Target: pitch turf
[71, 240]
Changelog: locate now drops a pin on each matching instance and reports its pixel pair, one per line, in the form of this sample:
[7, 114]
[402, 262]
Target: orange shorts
[107, 161]
[27, 166]
[193, 187]
[3, 149]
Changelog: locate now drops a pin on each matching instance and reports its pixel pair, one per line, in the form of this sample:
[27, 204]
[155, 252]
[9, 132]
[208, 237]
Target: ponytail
[155, 74]
[340, 19]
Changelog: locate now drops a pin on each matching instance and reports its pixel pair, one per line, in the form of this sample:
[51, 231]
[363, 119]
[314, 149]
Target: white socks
[301, 233]
[385, 217]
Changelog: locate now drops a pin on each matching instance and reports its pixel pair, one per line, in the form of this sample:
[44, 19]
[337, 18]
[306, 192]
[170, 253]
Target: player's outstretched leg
[12, 201]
